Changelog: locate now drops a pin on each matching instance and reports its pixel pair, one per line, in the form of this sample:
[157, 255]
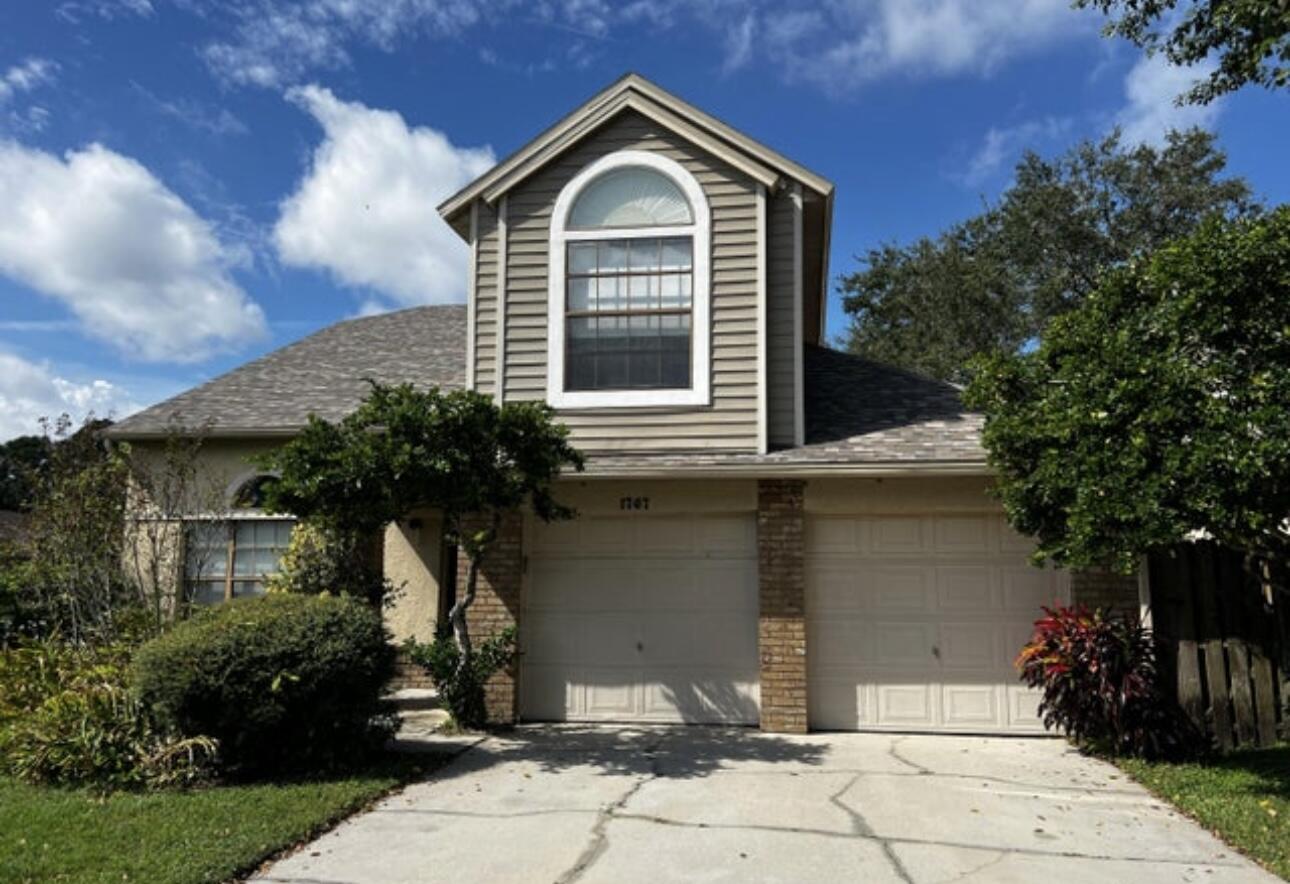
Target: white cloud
[26, 76]
[214, 120]
[1004, 144]
[1150, 88]
[134, 263]
[277, 42]
[74, 10]
[738, 44]
[837, 44]
[844, 45]
[30, 391]
[365, 209]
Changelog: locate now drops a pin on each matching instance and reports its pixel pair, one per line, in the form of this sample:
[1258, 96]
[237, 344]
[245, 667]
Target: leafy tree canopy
[1250, 38]
[992, 282]
[404, 448]
[1158, 407]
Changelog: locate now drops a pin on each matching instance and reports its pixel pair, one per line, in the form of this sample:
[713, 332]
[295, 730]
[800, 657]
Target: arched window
[629, 288]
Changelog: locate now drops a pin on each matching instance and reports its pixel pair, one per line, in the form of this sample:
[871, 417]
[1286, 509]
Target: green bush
[67, 718]
[282, 682]
[319, 560]
[463, 691]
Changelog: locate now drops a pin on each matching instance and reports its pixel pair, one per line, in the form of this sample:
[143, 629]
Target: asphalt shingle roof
[857, 411]
[323, 374]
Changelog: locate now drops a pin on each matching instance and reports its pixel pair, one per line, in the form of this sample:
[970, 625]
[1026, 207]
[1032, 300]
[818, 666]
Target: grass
[1244, 798]
[205, 835]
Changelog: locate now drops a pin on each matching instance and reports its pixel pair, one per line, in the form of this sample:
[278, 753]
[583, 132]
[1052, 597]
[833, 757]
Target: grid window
[628, 313]
[225, 560]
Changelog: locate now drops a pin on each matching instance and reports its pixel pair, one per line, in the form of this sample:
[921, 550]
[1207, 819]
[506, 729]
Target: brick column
[781, 578]
[497, 606]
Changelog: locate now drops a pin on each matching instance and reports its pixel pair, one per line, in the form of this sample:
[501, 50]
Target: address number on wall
[633, 504]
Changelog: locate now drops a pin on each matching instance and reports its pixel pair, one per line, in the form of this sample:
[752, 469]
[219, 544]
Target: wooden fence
[1224, 644]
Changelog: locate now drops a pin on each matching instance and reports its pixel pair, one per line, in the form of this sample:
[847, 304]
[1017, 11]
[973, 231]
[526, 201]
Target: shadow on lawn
[681, 751]
[1268, 768]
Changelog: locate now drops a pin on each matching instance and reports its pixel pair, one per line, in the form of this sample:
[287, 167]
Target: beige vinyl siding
[780, 354]
[486, 300]
[814, 241]
[731, 421]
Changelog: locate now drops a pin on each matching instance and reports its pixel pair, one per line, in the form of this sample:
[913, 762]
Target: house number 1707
[633, 503]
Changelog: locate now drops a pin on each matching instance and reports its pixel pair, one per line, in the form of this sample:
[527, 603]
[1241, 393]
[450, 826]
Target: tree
[1158, 408]
[404, 448]
[1251, 38]
[74, 575]
[21, 461]
[992, 282]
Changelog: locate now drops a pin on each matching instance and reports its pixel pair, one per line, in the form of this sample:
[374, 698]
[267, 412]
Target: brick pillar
[781, 578]
[497, 606]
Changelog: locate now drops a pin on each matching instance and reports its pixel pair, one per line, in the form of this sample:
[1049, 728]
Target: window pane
[243, 588]
[675, 351]
[582, 257]
[641, 296]
[206, 550]
[676, 254]
[674, 291]
[630, 197]
[643, 362]
[204, 592]
[611, 293]
[580, 354]
[645, 255]
[580, 291]
[611, 352]
[613, 256]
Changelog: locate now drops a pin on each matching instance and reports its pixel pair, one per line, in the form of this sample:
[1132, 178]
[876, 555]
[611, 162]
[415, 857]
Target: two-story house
[770, 531]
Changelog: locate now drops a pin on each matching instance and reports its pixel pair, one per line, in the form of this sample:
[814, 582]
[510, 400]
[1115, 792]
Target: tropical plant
[281, 682]
[461, 689]
[67, 718]
[1099, 682]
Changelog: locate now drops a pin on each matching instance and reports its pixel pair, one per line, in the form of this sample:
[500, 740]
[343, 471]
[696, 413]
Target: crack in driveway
[599, 842]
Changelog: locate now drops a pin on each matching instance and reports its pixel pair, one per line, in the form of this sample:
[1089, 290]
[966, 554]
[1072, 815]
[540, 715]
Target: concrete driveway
[592, 805]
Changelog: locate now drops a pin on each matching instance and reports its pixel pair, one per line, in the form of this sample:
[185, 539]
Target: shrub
[66, 718]
[321, 560]
[1099, 681]
[463, 691]
[284, 681]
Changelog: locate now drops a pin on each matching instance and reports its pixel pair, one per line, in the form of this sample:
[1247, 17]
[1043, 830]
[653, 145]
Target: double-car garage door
[913, 621]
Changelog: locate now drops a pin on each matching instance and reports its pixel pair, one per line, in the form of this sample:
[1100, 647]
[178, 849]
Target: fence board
[1201, 559]
[1232, 589]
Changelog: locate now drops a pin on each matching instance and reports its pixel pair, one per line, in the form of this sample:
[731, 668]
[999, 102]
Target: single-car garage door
[641, 618]
[914, 621]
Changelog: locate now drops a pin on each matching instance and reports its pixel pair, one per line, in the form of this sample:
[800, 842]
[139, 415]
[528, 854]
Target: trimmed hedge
[284, 681]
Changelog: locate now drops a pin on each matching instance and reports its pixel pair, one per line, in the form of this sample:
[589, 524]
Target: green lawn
[1244, 798]
[206, 835]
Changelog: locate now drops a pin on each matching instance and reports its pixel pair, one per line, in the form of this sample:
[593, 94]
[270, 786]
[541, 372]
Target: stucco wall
[411, 555]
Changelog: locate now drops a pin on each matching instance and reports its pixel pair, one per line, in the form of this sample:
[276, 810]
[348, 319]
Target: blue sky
[186, 184]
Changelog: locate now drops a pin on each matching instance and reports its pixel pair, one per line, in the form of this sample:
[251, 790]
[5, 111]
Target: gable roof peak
[632, 91]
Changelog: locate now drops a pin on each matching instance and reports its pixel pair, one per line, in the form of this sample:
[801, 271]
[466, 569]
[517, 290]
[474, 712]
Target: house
[770, 532]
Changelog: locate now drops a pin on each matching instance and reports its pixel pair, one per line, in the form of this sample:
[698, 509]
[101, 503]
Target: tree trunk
[457, 616]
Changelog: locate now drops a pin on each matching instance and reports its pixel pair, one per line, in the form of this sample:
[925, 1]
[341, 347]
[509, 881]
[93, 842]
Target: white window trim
[700, 392]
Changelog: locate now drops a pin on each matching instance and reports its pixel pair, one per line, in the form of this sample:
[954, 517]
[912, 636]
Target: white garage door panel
[641, 618]
[914, 621]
